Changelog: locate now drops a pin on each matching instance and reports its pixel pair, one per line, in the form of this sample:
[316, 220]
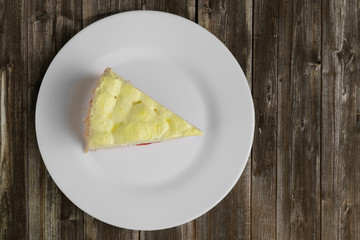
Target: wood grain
[284, 116]
[264, 165]
[95, 229]
[304, 135]
[50, 25]
[301, 59]
[185, 8]
[340, 178]
[231, 22]
[13, 120]
[93, 10]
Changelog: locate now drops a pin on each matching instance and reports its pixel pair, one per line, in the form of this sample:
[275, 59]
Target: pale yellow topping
[123, 115]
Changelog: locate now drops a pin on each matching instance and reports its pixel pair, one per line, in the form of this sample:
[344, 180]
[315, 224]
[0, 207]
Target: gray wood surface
[302, 62]
[340, 129]
[13, 122]
[264, 88]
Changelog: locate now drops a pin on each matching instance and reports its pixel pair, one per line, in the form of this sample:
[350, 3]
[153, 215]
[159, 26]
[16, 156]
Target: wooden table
[302, 62]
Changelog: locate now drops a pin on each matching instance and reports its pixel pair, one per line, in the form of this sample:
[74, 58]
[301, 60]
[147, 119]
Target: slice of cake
[121, 115]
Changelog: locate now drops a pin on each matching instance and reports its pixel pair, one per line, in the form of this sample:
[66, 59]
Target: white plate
[186, 69]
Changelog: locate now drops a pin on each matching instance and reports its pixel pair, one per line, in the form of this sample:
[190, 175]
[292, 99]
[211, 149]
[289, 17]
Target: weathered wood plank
[185, 8]
[95, 229]
[284, 147]
[231, 22]
[183, 232]
[264, 165]
[93, 11]
[340, 179]
[71, 219]
[304, 94]
[50, 25]
[13, 125]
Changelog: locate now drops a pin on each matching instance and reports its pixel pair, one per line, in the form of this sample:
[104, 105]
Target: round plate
[186, 69]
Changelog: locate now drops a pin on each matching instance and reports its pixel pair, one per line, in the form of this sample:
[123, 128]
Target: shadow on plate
[78, 105]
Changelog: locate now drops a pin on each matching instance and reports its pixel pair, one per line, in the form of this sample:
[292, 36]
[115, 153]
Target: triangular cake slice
[121, 115]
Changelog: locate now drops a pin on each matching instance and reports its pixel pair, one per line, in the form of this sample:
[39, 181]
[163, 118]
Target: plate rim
[136, 12]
